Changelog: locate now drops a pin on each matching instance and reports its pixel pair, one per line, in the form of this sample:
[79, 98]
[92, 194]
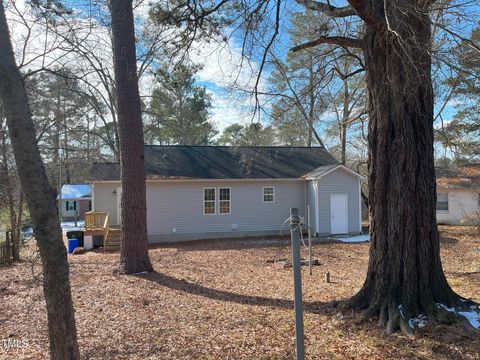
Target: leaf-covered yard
[223, 300]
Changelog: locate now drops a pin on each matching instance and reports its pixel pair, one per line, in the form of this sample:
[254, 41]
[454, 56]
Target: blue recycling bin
[73, 244]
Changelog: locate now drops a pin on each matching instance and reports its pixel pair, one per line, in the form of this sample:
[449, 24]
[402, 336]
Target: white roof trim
[339, 166]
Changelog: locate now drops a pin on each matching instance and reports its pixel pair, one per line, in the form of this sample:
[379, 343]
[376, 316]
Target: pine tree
[180, 108]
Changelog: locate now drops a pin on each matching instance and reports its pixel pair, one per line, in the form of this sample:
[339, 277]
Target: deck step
[113, 240]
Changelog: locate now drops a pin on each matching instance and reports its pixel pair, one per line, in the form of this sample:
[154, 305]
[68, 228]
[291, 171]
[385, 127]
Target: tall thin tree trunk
[134, 256]
[41, 203]
[344, 123]
[10, 197]
[311, 110]
[66, 152]
[88, 140]
[18, 227]
[405, 276]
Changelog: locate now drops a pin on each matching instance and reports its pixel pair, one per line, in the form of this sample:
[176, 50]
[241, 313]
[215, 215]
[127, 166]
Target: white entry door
[339, 213]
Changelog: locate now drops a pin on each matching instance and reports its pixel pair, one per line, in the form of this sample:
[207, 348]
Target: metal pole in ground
[295, 229]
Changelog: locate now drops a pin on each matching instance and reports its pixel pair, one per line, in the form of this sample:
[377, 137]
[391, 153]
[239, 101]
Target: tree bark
[344, 124]
[41, 203]
[134, 256]
[405, 276]
[311, 108]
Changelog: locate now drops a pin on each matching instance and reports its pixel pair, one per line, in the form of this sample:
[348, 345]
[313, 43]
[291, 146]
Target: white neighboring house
[199, 192]
[76, 199]
[458, 194]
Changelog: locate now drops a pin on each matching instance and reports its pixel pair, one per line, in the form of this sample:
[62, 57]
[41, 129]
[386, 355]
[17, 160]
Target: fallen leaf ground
[223, 300]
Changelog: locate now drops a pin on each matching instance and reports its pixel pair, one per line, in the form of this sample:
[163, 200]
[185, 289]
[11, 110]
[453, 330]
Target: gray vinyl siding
[310, 189]
[180, 206]
[104, 199]
[338, 182]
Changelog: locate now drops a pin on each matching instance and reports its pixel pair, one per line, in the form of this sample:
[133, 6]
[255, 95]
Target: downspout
[93, 196]
[360, 205]
[317, 214]
[305, 195]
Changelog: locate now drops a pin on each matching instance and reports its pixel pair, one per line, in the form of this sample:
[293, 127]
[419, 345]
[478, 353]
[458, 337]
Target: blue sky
[220, 65]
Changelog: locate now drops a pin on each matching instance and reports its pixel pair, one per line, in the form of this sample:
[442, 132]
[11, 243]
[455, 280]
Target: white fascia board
[339, 166]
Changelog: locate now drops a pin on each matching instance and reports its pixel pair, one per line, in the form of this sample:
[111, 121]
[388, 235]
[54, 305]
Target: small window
[268, 194]
[209, 201]
[224, 200]
[442, 201]
[70, 205]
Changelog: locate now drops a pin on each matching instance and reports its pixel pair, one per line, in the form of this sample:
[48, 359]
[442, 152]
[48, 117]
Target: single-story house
[74, 201]
[458, 194]
[198, 192]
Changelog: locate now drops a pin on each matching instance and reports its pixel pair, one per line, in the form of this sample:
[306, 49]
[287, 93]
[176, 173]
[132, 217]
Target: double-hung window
[213, 195]
[442, 201]
[268, 194]
[224, 200]
[70, 205]
[209, 201]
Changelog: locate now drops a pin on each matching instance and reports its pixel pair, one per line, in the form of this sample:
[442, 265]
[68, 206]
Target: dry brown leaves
[223, 300]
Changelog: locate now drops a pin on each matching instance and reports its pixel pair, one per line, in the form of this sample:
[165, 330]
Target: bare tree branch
[465, 41]
[267, 49]
[332, 40]
[328, 9]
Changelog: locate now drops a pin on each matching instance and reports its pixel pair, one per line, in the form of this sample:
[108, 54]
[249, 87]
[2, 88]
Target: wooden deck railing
[106, 227]
[96, 219]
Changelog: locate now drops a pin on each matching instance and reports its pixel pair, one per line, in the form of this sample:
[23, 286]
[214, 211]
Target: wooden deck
[97, 224]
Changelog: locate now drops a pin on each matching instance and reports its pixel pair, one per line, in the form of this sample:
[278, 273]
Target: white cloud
[223, 64]
[224, 71]
[226, 111]
[230, 79]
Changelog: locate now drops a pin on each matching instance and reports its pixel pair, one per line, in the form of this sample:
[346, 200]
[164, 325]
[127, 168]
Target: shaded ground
[222, 300]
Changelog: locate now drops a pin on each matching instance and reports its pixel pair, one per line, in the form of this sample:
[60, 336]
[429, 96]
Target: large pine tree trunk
[134, 244]
[41, 203]
[405, 276]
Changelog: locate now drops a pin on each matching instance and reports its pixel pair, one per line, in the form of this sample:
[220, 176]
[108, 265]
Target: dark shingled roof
[223, 162]
[462, 177]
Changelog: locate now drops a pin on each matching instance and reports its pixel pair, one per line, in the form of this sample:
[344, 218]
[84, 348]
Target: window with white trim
[268, 194]
[209, 201]
[224, 200]
[442, 201]
[70, 205]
